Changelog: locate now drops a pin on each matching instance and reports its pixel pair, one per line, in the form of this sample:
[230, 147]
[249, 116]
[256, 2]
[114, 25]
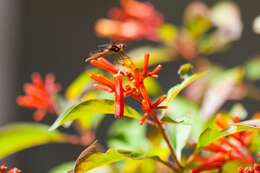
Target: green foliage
[253, 69]
[207, 45]
[168, 119]
[175, 90]
[179, 135]
[19, 136]
[135, 147]
[140, 166]
[153, 87]
[126, 134]
[85, 111]
[212, 134]
[69, 166]
[255, 142]
[77, 87]
[198, 26]
[90, 158]
[191, 123]
[180, 110]
[231, 166]
[167, 33]
[64, 167]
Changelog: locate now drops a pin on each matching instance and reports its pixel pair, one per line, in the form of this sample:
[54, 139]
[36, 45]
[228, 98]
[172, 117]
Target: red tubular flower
[146, 64]
[134, 86]
[14, 170]
[104, 88]
[233, 147]
[239, 138]
[255, 168]
[119, 96]
[105, 65]
[39, 95]
[159, 101]
[103, 80]
[155, 71]
[143, 119]
[213, 162]
[4, 169]
[132, 21]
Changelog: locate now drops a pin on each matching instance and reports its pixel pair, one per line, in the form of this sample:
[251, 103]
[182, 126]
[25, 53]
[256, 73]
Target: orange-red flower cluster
[250, 169]
[133, 85]
[4, 169]
[39, 95]
[234, 147]
[132, 21]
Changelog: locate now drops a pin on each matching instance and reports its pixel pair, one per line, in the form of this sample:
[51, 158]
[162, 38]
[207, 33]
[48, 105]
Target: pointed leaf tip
[88, 108]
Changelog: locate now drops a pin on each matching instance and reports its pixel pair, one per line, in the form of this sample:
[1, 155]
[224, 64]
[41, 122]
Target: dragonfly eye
[115, 49]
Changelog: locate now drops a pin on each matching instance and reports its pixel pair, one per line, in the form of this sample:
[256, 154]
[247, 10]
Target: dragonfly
[109, 49]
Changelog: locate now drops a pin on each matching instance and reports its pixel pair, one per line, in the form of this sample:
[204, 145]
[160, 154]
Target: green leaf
[189, 112]
[167, 33]
[153, 87]
[121, 137]
[174, 91]
[90, 158]
[255, 142]
[140, 166]
[19, 136]
[211, 134]
[253, 69]
[190, 123]
[91, 108]
[157, 55]
[207, 44]
[231, 166]
[198, 26]
[63, 168]
[102, 169]
[78, 86]
[67, 167]
[179, 135]
[182, 110]
[168, 119]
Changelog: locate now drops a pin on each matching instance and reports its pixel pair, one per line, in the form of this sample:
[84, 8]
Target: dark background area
[54, 35]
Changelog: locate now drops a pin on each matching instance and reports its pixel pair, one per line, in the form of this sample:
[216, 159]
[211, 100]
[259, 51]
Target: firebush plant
[184, 130]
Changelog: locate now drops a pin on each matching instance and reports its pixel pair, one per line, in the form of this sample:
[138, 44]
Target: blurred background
[55, 35]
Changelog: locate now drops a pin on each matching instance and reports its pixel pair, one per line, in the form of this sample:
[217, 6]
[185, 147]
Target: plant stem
[169, 165]
[158, 122]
